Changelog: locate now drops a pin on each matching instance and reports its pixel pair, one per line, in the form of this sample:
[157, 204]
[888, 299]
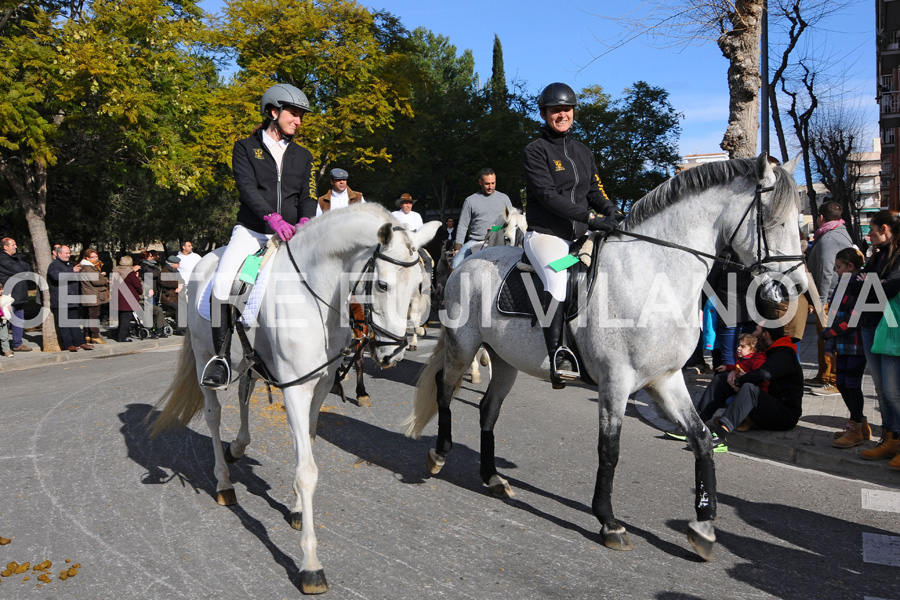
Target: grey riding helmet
[557, 94]
[281, 95]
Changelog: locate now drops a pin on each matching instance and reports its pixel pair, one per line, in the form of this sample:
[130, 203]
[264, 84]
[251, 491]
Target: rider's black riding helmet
[557, 94]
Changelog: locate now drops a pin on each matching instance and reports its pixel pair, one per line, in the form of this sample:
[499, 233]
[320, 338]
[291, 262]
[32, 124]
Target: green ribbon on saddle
[253, 264]
[561, 264]
[496, 228]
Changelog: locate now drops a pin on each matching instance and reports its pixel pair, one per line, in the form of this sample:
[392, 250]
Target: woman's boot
[853, 435]
[217, 372]
[886, 448]
[563, 366]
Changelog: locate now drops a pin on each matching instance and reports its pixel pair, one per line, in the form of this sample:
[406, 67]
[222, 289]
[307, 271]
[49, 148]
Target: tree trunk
[31, 190]
[741, 47]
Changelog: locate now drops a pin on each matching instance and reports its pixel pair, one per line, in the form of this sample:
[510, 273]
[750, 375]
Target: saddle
[249, 284]
[515, 298]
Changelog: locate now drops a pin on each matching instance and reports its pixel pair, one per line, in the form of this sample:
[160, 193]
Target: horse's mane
[705, 176]
[354, 220]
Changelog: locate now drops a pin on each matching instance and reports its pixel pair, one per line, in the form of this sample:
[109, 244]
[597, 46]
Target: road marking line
[881, 549]
[882, 500]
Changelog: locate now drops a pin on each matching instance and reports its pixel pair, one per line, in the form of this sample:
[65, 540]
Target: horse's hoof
[226, 497]
[484, 360]
[413, 347]
[703, 538]
[313, 582]
[435, 462]
[500, 488]
[297, 521]
[229, 457]
[364, 401]
[616, 539]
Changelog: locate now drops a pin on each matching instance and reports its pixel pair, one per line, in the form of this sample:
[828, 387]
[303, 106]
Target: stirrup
[565, 375]
[208, 382]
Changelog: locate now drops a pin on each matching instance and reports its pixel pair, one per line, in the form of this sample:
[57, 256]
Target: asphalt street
[83, 482]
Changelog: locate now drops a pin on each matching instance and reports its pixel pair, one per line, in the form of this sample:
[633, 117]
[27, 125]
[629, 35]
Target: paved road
[82, 481]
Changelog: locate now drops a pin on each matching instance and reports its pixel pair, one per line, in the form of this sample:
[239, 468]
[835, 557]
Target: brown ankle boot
[886, 448]
[853, 436]
[866, 430]
[895, 463]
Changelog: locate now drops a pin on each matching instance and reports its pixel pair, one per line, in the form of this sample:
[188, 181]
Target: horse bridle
[762, 241]
[401, 341]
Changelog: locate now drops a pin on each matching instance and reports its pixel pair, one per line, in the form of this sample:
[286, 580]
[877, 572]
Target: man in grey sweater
[831, 237]
[479, 212]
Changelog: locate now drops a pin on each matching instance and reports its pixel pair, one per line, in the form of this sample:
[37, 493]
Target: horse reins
[256, 363]
[761, 240]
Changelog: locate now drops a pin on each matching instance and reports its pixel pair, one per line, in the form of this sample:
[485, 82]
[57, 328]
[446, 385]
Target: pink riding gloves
[302, 222]
[284, 229]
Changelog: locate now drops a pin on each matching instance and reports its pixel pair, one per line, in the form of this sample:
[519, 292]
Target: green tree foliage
[497, 85]
[634, 139]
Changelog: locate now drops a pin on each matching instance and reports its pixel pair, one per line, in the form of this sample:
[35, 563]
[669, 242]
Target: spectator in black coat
[64, 286]
[12, 265]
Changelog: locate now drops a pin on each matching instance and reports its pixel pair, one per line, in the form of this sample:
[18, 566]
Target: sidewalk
[807, 445]
[36, 358]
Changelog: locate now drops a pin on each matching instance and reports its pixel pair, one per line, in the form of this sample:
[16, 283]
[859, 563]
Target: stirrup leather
[216, 360]
[564, 353]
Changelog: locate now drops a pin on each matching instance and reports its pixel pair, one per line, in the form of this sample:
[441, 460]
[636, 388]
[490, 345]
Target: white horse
[300, 333]
[420, 306]
[746, 202]
[509, 230]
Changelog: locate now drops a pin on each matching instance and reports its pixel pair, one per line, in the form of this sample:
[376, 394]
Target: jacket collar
[784, 342]
[552, 136]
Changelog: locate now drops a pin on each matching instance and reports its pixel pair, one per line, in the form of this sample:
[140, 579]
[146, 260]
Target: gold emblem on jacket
[558, 165]
[259, 153]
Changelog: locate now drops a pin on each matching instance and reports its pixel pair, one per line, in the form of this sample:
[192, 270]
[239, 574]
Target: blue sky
[545, 42]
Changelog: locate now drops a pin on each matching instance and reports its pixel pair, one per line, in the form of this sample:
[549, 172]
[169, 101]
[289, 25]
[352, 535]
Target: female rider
[884, 264]
[277, 194]
[561, 183]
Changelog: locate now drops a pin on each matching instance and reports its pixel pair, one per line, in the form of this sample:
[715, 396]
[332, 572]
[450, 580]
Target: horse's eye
[382, 286]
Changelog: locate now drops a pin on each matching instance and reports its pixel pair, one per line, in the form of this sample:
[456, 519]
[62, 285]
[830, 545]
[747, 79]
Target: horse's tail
[425, 406]
[183, 399]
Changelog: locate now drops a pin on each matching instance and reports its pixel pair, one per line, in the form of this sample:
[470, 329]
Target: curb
[35, 359]
[786, 447]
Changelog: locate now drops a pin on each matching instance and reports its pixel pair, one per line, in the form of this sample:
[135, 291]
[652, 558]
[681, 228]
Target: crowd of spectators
[89, 294]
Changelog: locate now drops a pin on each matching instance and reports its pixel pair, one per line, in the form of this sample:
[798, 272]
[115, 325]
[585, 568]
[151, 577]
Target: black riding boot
[217, 373]
[563, 366]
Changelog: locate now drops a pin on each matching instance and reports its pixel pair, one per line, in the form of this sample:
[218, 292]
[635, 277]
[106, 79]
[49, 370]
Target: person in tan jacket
[339, 196]
[95, 289]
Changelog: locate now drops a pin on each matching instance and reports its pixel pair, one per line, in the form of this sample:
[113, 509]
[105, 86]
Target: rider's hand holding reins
[606, 224]
[284, 229]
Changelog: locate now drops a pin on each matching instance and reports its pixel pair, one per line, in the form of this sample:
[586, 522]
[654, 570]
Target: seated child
[748, 359]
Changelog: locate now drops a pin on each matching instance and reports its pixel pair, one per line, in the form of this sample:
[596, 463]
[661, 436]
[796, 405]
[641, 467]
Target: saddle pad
[251, 309]
[513, 298]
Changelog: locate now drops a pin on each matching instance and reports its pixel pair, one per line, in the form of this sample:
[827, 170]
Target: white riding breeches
[243, 243]
[542, 249]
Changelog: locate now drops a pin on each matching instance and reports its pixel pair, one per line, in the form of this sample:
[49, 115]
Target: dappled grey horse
[639, 325]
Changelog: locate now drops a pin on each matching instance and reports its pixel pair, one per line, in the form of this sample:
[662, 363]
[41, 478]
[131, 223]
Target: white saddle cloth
[251, 309]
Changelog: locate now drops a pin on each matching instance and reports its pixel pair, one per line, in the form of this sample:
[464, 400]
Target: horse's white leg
[473, 369]
[213, 412]
[297, 403]
[672, 396]
[236, 449]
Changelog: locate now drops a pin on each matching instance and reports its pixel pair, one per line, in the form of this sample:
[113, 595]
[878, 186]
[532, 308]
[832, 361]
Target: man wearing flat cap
[339, 196]
[405, 214]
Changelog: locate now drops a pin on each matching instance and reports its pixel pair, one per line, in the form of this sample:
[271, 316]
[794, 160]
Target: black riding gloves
[606, 224]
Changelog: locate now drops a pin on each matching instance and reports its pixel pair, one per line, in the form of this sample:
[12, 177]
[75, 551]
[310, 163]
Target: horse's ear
[426, 233]
[791, 165]
[506, 213]
[384, 234]
[765, 171]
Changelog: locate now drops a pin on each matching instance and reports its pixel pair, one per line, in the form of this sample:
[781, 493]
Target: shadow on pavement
[187, 456]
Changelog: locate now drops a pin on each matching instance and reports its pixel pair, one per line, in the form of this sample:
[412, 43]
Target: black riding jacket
[261, 192]
[561, 182]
